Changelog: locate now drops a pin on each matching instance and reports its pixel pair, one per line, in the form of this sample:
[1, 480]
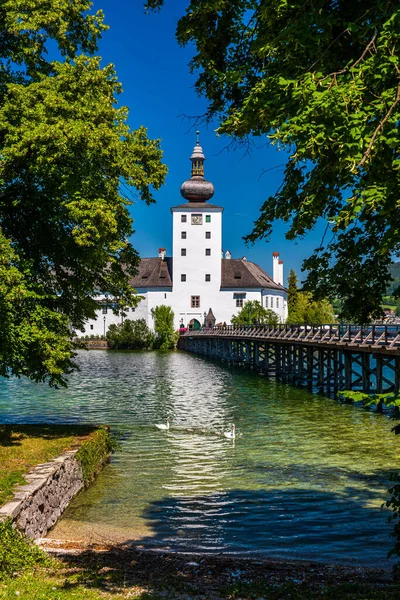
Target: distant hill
[394, 270]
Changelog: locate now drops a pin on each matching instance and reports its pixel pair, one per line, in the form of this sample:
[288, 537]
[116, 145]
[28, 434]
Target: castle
[201, 284]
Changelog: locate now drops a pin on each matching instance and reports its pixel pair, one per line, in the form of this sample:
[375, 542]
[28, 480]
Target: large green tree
[69, 168]
[320, 79]
[166, 338]
[308, 311]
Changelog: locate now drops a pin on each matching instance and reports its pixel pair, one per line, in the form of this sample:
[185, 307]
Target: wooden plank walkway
[368, 338]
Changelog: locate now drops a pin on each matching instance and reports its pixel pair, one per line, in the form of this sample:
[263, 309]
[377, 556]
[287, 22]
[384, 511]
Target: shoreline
[210, 573]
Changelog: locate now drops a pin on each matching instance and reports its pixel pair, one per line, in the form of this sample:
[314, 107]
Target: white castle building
[199, 282]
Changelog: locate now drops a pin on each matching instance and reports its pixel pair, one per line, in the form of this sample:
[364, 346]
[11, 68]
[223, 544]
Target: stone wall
[51, 486]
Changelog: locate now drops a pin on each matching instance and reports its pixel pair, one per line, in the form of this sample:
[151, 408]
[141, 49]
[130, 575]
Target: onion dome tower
[197, 189]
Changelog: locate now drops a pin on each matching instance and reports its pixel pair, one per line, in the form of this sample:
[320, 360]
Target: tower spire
[197, 189]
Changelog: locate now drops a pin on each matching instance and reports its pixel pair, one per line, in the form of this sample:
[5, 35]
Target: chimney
[228, 254]
[161, 253]
[275, 266]
[280, 272]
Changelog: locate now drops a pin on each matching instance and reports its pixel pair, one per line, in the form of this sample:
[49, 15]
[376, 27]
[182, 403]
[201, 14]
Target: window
[165, 296]
[238, 275]
[197, 219]
[266, 301]
[183, 219]
[91, 327]
[208, 218]
[133, 309]
[240, 298]
[208, 251]
[208, 235]
[208, 277]
[183, 277]
[183, 235]
[104, 311]
[277, 303]
[195, 301]
[183, 251]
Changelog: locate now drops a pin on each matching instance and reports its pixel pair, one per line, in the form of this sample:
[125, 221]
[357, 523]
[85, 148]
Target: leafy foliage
[388, 399]
[17, 553]
[254, 313]
[69, 166]
[94, 453]
[394, 286]
[309, 311]
[394, 504]
[130, 335]
[321, 79]
[166, 337]
[302, 308]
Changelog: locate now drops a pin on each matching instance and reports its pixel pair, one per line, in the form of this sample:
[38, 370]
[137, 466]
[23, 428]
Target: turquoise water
[305, 479]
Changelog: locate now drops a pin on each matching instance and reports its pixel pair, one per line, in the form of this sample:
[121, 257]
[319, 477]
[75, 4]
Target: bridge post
[366, 372]
[348, 379]
[310, 364]
[256, 356]
[300, 363]
[321, 367]
[278, 360]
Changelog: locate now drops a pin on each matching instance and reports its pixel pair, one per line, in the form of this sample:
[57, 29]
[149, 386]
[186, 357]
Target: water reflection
[307, 477]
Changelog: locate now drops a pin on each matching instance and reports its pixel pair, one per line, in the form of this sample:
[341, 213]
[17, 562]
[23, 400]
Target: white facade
[198, 278]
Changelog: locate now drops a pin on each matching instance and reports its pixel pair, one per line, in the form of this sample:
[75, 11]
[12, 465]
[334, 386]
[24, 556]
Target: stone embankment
[96, 344]
[50, 487]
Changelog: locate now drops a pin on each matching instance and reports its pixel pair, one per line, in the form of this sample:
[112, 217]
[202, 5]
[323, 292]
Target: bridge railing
[374, 335]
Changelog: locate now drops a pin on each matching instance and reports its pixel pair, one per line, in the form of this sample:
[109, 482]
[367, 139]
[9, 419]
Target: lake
[305, 478]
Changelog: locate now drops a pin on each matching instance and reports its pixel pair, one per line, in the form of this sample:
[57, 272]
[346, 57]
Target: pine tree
[293, 293]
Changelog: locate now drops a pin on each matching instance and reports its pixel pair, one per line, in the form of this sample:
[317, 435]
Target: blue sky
[158, 89]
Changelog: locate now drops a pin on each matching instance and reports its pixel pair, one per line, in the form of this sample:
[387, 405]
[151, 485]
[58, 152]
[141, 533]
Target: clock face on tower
[197, 219]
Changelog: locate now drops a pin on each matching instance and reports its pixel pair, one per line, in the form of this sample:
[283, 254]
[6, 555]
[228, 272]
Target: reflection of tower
[197, 242]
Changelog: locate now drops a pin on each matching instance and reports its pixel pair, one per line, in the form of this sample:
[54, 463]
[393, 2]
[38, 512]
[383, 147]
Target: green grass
[32, 587]
[50, 584]
[24, 446]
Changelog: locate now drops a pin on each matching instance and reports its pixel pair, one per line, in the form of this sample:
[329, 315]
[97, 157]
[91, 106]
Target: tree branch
[370, 44]
[380, 126]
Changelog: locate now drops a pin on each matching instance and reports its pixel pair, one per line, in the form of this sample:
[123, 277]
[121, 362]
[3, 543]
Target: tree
[321, 80]
[254, 313]
[69, 165]
[292, 292]
[165, 336]
[310, 312]
[130, 335]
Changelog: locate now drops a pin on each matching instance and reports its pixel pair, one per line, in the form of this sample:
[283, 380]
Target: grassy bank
[24, 446]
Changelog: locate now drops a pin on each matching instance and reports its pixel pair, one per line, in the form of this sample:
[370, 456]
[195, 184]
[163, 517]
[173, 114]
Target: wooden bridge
[338, 357]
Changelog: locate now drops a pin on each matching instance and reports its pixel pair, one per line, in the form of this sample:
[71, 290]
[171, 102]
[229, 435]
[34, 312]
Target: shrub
[253, 313]
[130, 335]
[93, 453]
[17, 553]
